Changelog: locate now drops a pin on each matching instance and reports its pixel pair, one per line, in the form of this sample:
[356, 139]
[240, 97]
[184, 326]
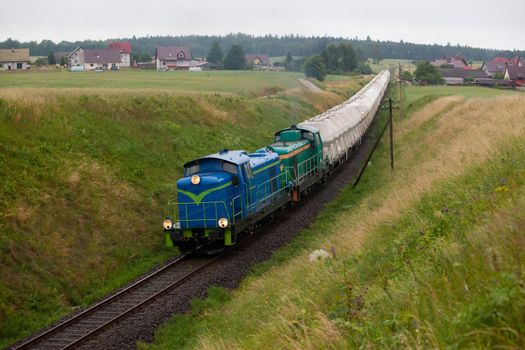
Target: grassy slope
[429, 257]
[84, 179]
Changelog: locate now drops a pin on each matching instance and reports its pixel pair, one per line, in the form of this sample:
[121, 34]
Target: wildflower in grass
[502, 189]
[319, 254]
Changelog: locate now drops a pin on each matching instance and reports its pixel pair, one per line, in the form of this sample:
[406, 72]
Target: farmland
[166, 82]
[427, 256]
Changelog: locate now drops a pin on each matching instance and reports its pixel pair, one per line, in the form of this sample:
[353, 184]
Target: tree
[377, 54]
[235, 59]
[63, 61]
[406, 76]
[288, 62]
[427, 73]
[339, 58]
[215, 55]
[364, 68]
[314, 67]
[51, 59]
[40, 62]
[140, 56]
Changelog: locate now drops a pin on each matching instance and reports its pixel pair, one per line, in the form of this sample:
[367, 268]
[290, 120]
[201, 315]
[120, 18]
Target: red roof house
[123, 46]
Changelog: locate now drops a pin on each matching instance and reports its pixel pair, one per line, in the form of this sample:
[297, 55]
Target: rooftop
[102, 56]
[14, 55]
[172, 53]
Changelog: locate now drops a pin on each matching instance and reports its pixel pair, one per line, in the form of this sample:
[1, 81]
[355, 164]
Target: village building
[499, 64]
[76, 57]
[14, 59]
[501, 83]
[515, 74]
[459, 76]
[102, 59]
[258, 61]
[517, 61]
[177, 58]
[125, 52]
[452, 62]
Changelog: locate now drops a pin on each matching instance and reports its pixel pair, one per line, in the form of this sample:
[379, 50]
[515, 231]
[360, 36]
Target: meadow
[88, 162]
[238, 82]
[427, 256]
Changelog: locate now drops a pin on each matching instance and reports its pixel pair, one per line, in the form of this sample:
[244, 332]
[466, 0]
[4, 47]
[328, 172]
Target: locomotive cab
[300, 150]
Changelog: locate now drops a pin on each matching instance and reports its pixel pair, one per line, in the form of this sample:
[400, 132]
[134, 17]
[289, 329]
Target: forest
[274, 46]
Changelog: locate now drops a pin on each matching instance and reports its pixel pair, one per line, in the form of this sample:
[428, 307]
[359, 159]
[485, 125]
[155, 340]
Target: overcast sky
[482, 23]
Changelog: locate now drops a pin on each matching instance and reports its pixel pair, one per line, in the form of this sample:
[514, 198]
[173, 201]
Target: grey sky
[481, 23]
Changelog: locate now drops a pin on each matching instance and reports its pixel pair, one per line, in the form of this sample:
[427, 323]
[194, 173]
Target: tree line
[303, 46]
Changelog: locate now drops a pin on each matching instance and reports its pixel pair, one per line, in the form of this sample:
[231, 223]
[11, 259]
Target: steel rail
[136, 306]
[99, 305]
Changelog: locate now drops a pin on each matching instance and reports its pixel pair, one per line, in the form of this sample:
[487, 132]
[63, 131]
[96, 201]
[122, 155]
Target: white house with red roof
[125, 52]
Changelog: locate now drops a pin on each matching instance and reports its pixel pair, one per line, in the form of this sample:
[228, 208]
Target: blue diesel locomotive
[224, 194]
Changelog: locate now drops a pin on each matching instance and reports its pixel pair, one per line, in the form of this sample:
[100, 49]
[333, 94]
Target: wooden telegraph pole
[391, 122]
[400, 93]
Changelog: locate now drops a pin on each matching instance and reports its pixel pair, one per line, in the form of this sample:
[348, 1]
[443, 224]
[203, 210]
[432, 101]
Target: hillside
[87, 167]
[429, 256]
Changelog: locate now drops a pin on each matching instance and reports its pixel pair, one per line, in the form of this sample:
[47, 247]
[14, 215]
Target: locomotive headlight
[223, 222]
[167, 224]
[195, 179]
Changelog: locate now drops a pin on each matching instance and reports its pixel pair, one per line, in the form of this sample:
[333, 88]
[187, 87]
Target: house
[76, 57]
[14, 59]
[453, 62]
[125, 52]
[102, 59]
[487, 82]
[515, 74]
[458, 76]
[517, 61]
[258, 60]
[176, 58]
[499, 64]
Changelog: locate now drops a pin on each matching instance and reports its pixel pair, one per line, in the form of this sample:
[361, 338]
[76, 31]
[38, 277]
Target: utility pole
[400, 93]
[391, 121]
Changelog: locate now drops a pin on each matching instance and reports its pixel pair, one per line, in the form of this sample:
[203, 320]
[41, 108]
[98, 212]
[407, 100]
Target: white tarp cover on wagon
[343, 126]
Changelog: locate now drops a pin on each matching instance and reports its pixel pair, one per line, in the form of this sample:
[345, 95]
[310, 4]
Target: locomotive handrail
[177, 216]
[305, 163]
[261, 194]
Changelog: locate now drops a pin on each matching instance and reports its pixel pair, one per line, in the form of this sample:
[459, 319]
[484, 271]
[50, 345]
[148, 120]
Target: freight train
[226, 193]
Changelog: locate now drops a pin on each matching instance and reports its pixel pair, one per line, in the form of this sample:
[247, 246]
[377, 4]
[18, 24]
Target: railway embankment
[427, 256]
[85, 176]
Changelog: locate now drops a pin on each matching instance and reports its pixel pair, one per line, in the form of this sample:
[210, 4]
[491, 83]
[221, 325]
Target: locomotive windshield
[210, 165]
[192, 169]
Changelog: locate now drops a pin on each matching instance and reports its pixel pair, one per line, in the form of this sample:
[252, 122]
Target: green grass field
[178, 82]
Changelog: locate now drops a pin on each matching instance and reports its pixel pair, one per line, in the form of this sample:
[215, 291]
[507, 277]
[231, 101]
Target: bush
[406, 76]
[315, 68]
[428, 74]
[364, 68]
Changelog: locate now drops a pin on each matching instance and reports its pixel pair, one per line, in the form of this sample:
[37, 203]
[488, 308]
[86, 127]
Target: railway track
[91, 321]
